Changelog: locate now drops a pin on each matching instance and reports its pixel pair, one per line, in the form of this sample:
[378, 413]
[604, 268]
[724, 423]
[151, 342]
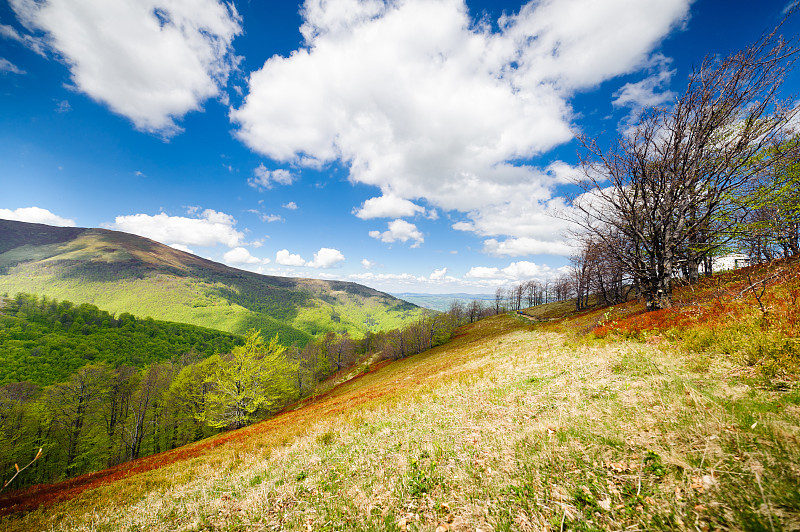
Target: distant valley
[442, 302]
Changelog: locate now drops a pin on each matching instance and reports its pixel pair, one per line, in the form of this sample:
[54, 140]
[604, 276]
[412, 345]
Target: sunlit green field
[505, 428]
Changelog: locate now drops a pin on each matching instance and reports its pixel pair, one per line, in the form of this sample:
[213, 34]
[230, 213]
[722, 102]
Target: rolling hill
[120, 272]
[606, 419]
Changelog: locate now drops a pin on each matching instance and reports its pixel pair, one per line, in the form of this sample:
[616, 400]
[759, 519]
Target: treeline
[103, 415]
[335, 352]
[45, 341]
[533, 292]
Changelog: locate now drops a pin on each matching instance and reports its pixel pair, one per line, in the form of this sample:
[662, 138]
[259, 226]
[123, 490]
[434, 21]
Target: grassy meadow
[510, 426]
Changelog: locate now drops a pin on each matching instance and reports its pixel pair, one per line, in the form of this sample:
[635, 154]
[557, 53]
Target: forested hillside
[601, 419]
[93, 390]
[45, 341]
[121, 273]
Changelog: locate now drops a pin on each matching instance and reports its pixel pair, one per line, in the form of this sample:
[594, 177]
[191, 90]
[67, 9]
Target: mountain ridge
[605, 419]
[121, 272]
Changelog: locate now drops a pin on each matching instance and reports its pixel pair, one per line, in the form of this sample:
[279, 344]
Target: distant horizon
[454, 294]
[418, 146]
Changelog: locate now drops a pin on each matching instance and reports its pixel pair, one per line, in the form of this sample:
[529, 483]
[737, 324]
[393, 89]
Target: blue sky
[409, 145]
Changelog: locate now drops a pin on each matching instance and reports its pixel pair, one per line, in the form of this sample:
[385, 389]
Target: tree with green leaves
[772, 226]
[189, 393]
[255, 378]
[71, 409]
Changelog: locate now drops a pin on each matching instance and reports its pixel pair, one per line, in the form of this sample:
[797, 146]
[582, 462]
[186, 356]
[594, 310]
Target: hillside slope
[44, 342]
[120, 272]
[507, 427]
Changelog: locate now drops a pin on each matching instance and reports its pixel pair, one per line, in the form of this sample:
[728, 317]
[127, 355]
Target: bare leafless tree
[562, 288]
[499, 297]
[581, 265]
[665, 188]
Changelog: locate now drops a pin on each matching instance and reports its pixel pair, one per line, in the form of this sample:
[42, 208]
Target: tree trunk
[658, 293]
[693, 270]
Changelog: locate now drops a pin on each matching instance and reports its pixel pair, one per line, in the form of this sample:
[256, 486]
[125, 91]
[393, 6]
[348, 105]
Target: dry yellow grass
[505, 428]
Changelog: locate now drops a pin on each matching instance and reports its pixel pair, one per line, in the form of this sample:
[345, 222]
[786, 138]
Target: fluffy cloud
[649, 92]
[367, 264]
[438, 275]
[519, 247]
[437, 282]
[36, 215]
[516, 271]
[292, 206]
[152, 61]
[536, 225]
[240, 255]
[326, 258]
[284, 258]
[387, 207]
[652, 91]
[399, 230]
[181, 247]
[209, 229]
[421, 101]
[265, 179]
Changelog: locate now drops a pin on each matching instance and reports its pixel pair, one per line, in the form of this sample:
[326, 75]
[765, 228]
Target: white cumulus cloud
[323, 259]
[423, 102]
[518, 247]
[438, 275]
[240, 255]
[387, 207]
[265, 179]
[181, 247]
[437, 282]
[208, 229]
[651, 91]
[516, 271]
[35, 215]
[151, 61]
[399, 230]
[326, 258]
[284, 258]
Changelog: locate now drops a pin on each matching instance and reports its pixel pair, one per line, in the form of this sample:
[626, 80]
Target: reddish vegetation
[45, 494]
[395, 379]
[719, 300]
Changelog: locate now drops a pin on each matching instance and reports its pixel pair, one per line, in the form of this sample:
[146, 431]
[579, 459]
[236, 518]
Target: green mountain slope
[120, 272]
[510, 426]
[44, 341]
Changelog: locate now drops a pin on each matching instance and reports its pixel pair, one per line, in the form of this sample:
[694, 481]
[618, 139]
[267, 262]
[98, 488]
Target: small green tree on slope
[255, 378]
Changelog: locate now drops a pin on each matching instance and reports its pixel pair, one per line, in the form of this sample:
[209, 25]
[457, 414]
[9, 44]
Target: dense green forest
[44, 341]
[130, 402]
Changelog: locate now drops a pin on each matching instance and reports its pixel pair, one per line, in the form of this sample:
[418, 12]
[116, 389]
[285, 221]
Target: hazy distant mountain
[441, 302]
[120, 272]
